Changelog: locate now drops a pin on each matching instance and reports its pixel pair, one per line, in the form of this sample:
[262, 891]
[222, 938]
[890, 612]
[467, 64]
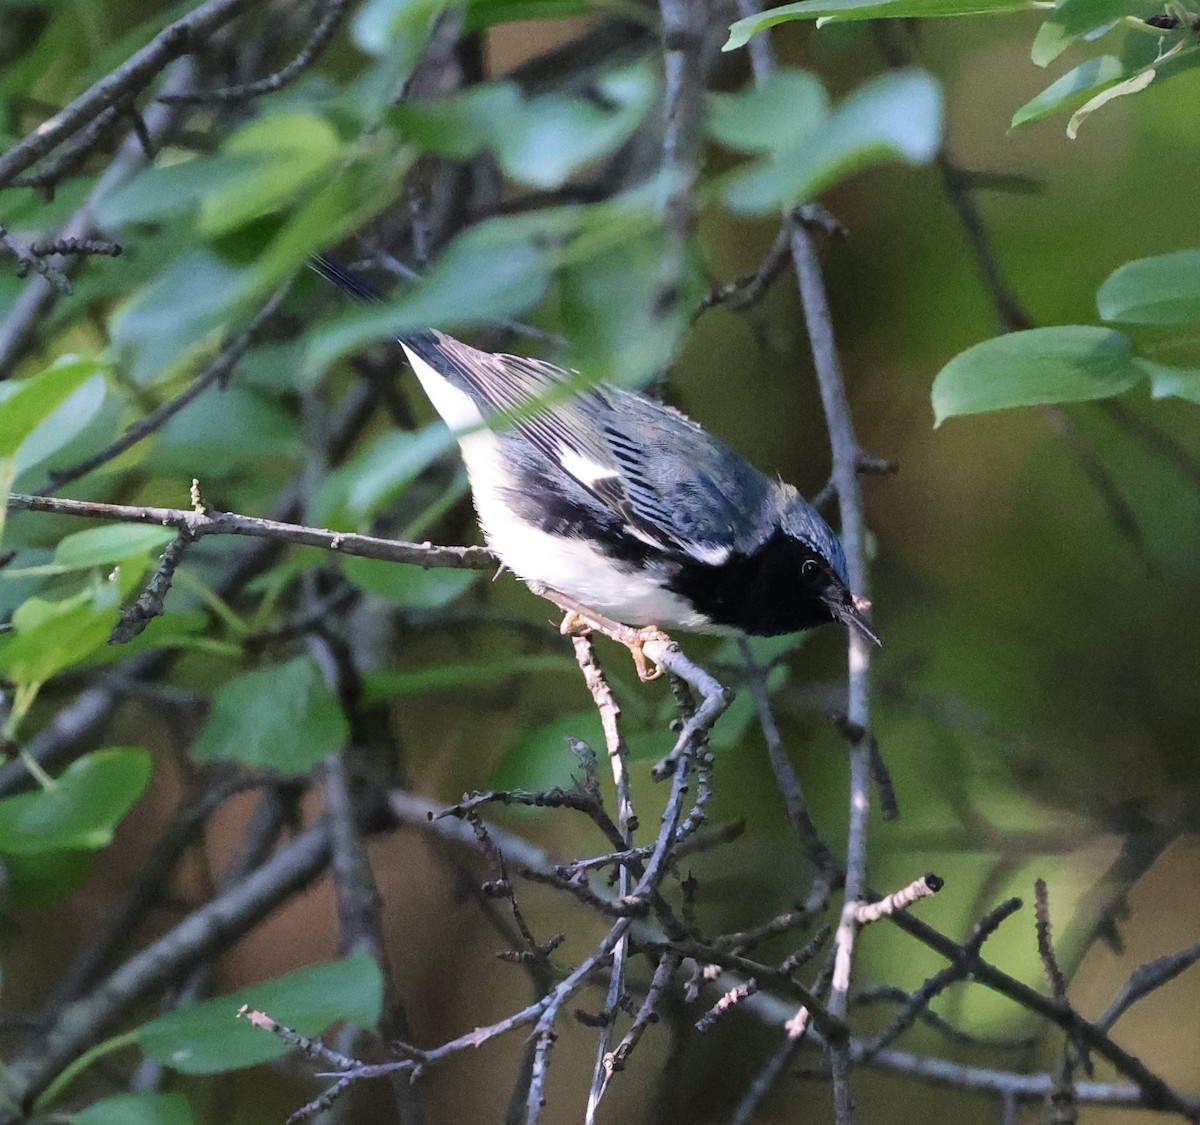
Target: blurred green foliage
[1036, 696]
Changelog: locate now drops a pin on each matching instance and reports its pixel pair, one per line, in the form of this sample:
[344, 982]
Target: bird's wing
[647, 463]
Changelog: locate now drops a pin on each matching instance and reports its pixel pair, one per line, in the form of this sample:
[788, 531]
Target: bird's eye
[810, 569]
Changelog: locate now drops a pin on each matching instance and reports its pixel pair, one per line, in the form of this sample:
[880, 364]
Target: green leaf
[896, 116]
[225, 431]
[356, 491]
[83, 808]
[379, 686]
[161, 191]
[45, 877]
[409, 586]
[103, 546]
[187, 300]
[286, 153]
[1071, 90]
[1074, 18]
[208, 1038]
[137, 1109]
[49, 636]
[551, 137]
[380, 26]
[8, 473]
[340, 206]
[539, 758]
[282, 717]
[65, 424]
[98, 546]
[782, 112]
[27, 403]
[491, 271]
[610, 300]
[1160, 290]
[1171, 382]
[829, 11]
[1043, 365]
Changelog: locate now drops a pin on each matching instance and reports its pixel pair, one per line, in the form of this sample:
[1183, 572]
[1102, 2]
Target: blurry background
[1035, 696]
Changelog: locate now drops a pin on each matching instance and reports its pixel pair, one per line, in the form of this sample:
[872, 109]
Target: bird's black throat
[763, 593]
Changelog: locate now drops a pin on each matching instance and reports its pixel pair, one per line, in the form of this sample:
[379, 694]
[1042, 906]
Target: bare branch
[1058, 984]
[128, 79]
[207, 929]
[332, 12]
[218, 371]
[926, 885]
[194, 525]
[1144, 980]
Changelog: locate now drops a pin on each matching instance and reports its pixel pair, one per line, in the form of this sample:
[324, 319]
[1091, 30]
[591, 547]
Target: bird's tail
[341, 277]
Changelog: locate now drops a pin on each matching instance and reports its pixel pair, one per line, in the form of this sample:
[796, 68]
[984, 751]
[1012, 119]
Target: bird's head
[823, 566]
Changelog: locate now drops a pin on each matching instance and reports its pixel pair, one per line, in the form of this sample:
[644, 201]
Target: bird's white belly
[570, 566]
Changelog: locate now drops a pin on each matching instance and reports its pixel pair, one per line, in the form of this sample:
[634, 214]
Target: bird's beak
[850, 613]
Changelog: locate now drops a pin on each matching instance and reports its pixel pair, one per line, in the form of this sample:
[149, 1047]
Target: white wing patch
[711, 556]
[583, 469]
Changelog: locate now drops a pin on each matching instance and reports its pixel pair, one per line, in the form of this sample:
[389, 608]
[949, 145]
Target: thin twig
[786, 779]
[21, 323]
[133, 75]
[610, 714]
[1058, 984]
[332, 12]
[1146, 979]
[198, 524]
[218, 371]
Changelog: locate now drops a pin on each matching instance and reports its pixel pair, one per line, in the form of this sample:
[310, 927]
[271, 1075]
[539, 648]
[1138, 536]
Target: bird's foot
[574, 625]
[579, 620]
[635, 640]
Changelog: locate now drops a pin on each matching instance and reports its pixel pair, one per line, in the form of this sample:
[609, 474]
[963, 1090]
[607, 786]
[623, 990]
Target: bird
[621, 509]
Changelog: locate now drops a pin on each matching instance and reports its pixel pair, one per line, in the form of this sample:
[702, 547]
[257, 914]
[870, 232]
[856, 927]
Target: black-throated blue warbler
[624, 505]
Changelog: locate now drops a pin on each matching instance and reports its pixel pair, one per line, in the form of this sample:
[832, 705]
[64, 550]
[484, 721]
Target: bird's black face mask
[833, 593]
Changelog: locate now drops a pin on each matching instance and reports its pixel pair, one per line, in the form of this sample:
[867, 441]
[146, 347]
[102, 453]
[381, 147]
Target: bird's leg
[579, 619]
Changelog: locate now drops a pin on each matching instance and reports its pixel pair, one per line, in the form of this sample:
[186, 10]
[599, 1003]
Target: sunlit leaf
[286, 153]
[102, 546]
[491, 271]
[162, 190]
[1161, 290]
[1043, 365]
[896, 116]
[50, 635]
[840, 10]
[1172, 382]
[354, 492]
[782, 112]
[83, 808]
[25, 404]
[1072, 19]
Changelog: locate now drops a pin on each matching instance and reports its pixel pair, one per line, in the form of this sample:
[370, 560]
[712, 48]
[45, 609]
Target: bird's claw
[574, 625]
[637, 649]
